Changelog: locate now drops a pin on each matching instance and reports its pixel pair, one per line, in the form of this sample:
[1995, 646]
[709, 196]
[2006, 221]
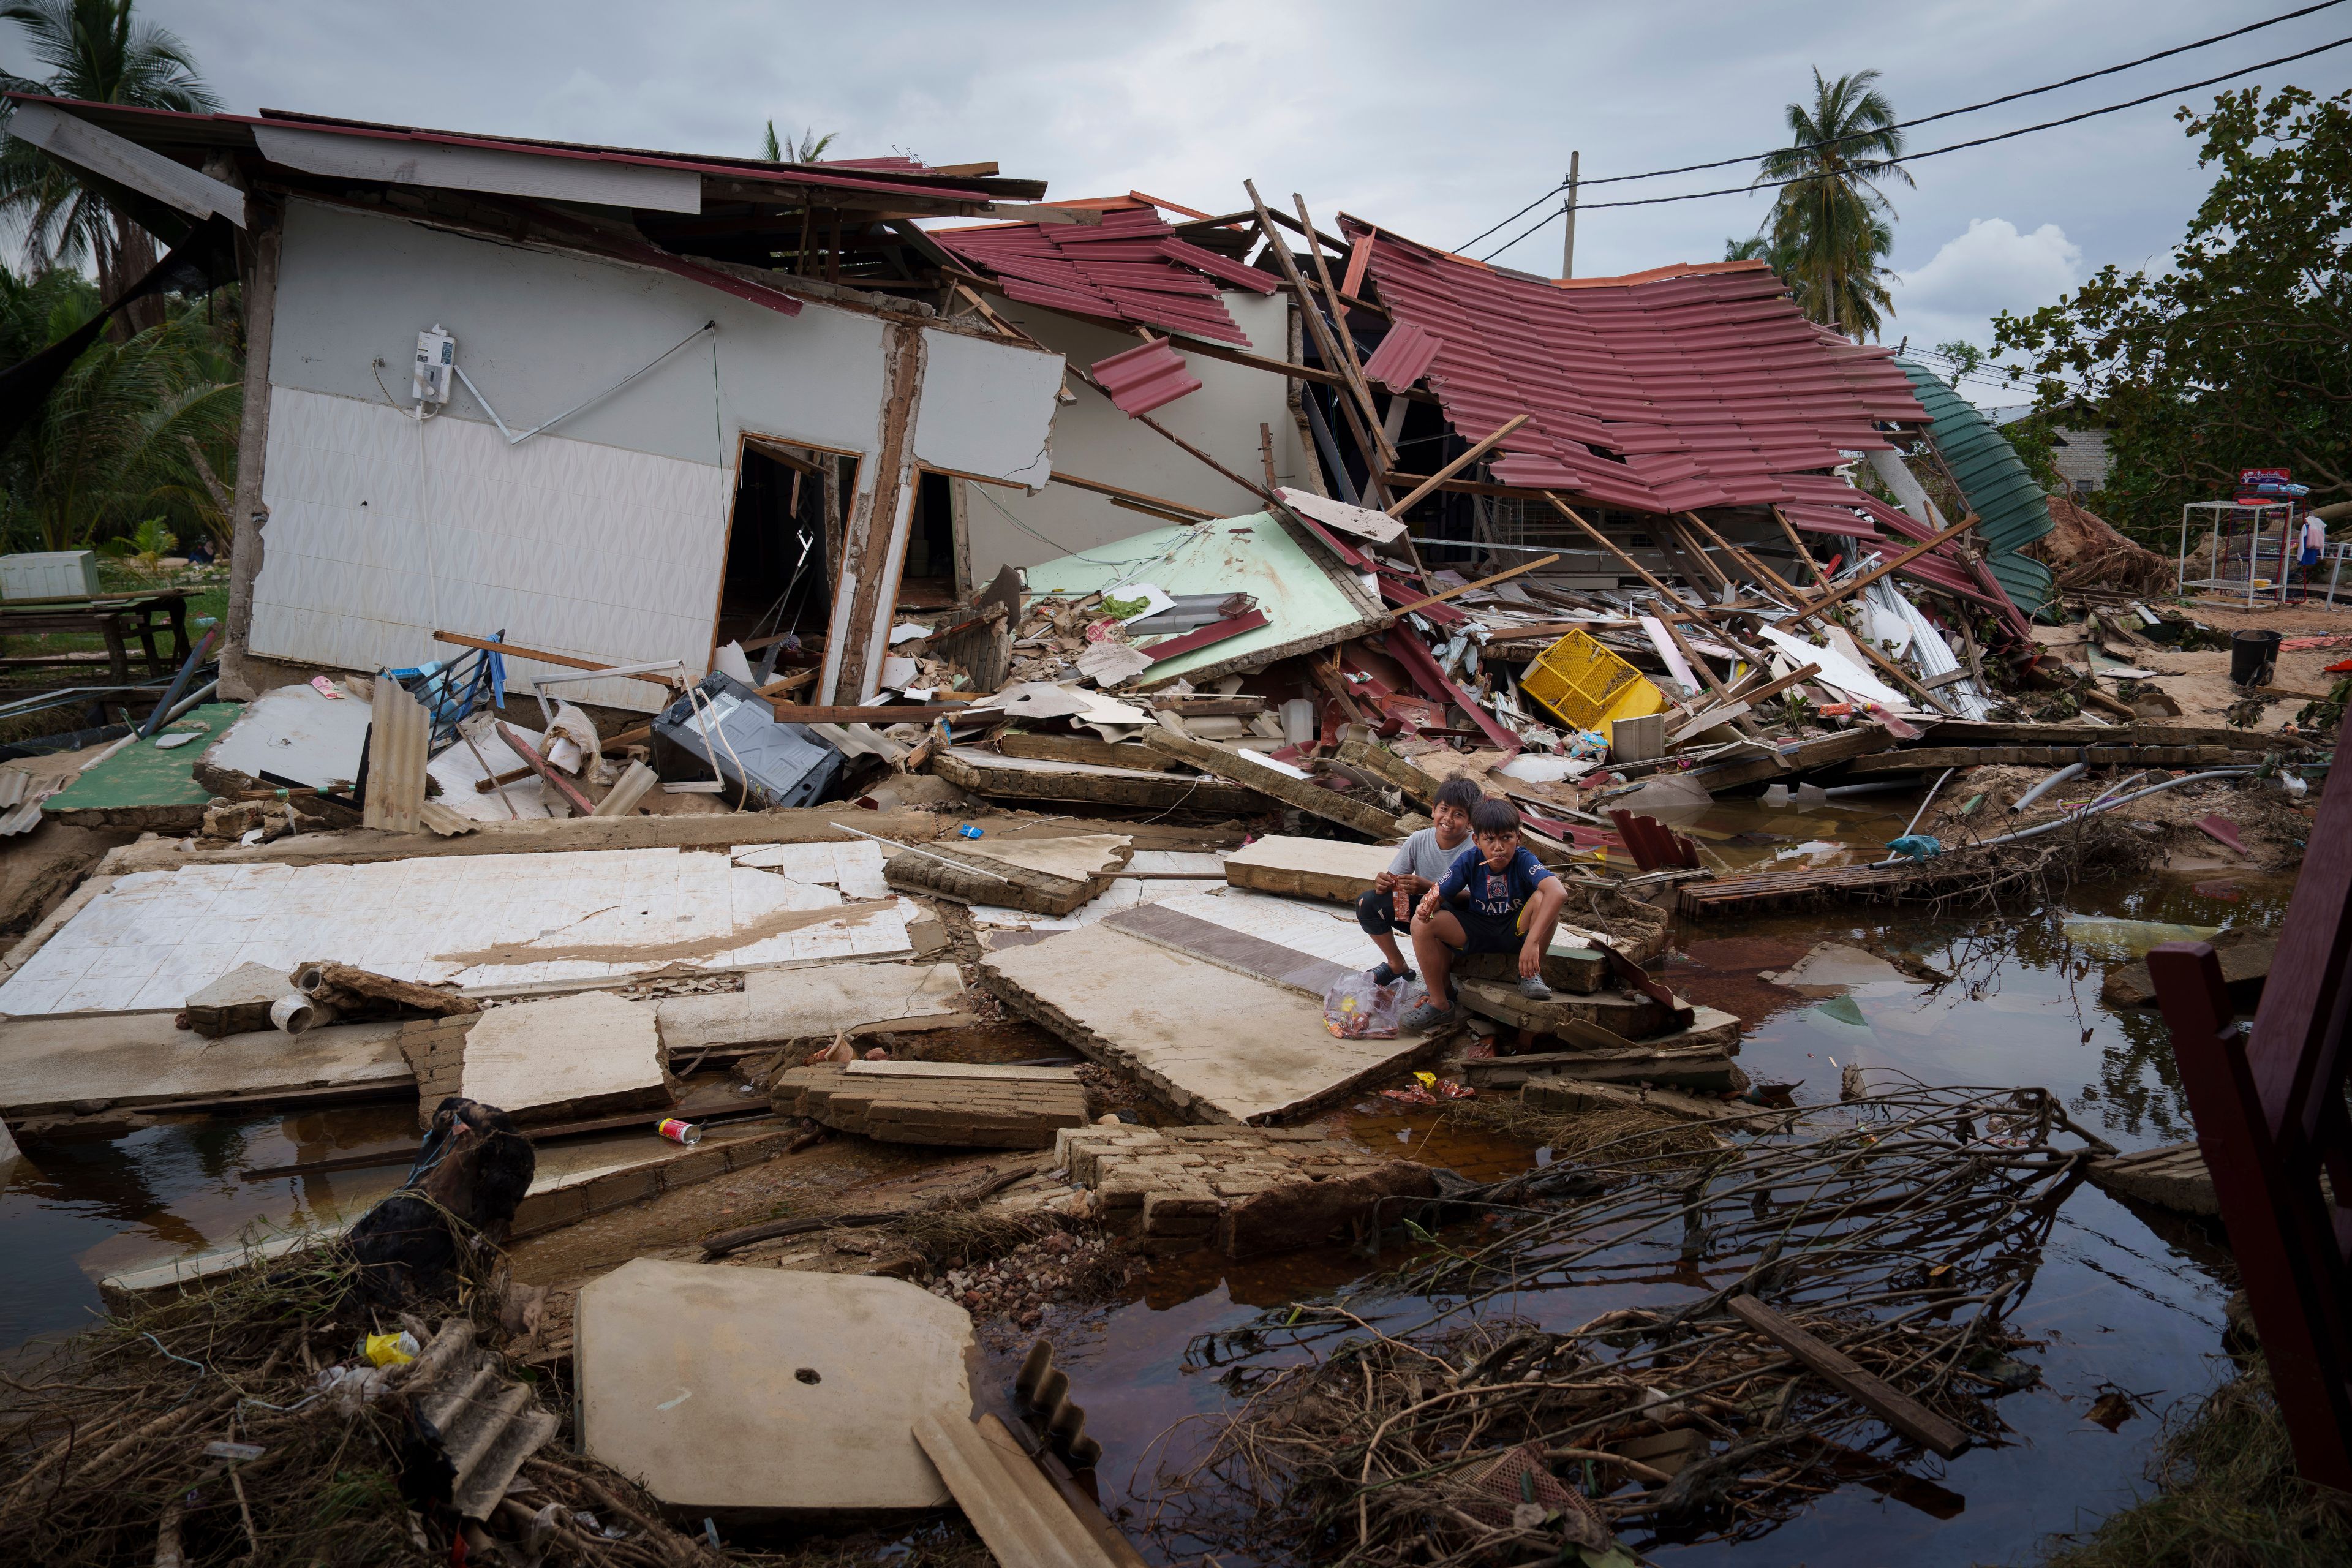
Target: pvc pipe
[1924, 804]
[2071, 770]
[2094, 810]
[293, 1013]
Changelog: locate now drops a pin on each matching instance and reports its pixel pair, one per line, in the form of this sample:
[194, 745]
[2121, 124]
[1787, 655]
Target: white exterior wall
[1094, 440]
[607, 538]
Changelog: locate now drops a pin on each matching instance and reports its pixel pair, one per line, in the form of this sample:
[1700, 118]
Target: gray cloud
[1436, 119]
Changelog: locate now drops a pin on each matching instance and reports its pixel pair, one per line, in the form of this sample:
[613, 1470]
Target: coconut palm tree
[99, 51]
[1830, 225]
[810, 149]
[136, 431]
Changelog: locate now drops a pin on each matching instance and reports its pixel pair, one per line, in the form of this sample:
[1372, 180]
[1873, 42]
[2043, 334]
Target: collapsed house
[955, 619]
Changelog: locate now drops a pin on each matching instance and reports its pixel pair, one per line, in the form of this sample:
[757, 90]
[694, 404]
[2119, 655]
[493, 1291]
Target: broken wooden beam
[1024, 778]
[1833, 1366]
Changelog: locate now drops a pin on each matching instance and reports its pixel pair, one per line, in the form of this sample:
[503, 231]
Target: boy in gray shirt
[1420, 863]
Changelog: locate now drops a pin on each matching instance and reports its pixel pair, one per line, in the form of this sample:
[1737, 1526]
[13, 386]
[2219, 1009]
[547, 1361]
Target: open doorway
[781, 542]
[929, 579]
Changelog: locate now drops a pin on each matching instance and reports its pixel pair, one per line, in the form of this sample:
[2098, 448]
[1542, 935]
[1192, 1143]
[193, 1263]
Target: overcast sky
[1434, 119]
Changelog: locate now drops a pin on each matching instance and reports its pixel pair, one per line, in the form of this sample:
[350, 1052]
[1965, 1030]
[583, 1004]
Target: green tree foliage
[2239, 354]
[99, 51]
[138, 432]
[1964, 356]
[1831, 227]
[777, 151]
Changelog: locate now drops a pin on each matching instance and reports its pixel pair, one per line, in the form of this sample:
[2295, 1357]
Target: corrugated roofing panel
[2011, 512]
[1128, 267]
[1146, 377]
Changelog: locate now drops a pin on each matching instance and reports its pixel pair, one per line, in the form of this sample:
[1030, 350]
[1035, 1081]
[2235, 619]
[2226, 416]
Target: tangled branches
[122, 1446]
[1442, 1420]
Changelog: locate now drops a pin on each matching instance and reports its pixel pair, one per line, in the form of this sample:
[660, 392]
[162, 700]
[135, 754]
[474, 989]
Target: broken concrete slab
[56, 1066]
[854, 867]
[1158, 875]
[1569, 965]
[574, 1182]
[2246, 954]
[1836, 965]
[1625, 1015]
[1285, 785]
[960, 872]
[528, 921]
[238, 1001]
[1246, 1191]
[779, 1008]
[1308, 867]
[1216, 1045]
[2173, 1178]
[963, 1111]
[144, 785]
[763, 1392]
[294, 732]
[569, 1056]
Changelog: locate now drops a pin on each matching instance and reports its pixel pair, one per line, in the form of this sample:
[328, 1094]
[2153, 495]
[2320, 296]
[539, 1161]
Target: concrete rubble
[1054, 843]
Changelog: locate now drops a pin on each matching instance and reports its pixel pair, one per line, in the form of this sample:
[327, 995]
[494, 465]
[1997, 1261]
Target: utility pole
[1567, 245]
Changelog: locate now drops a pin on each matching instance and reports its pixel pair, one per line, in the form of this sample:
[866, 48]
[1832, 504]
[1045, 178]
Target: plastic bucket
[2253, 655]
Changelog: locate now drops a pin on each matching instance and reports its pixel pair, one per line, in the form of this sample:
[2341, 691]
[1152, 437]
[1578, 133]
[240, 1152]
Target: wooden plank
[1229, 948]
[540, 656]
[1460, 463]
[1853, 586]
[963, 1069]
[1331, 805]
[1753, 696]
[1890, 1404]
[580, 803]
[1389, 768]
[1174, 508]
[1466, 587]
[1843, 746]
[1009, 1519]
[882, 714]
[1918, 758]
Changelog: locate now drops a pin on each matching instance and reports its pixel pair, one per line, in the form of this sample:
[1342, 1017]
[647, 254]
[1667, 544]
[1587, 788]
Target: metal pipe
[2071, 770]
[156, 720]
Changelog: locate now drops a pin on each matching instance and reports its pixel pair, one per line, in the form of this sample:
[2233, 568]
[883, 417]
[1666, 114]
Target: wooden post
[1820, 578]
[1856, 584]
[1458, 464]
[872, 549]
[1630, 565]
[1388, 454]
[266, 218]
[1481, 583]
[1890, 1404]
[1747, 560]
[1358, 415]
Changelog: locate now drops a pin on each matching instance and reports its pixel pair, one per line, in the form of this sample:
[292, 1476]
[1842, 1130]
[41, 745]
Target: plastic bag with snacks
[1357, 1009]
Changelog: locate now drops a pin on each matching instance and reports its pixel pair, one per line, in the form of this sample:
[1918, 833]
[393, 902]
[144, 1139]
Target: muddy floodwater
[2128, 1299]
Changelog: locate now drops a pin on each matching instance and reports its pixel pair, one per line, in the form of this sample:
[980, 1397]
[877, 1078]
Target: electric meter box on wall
[436, 353]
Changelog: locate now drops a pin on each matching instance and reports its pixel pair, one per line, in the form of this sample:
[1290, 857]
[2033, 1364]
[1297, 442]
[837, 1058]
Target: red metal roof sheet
[1129, 267]
[1146, 377]
[1403, 357]
[1668, 391]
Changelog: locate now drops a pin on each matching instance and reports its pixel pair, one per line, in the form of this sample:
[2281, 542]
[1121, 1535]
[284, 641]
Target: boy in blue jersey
[1497, 897]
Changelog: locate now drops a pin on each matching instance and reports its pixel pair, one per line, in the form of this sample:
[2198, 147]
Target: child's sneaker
[1533, 988]
[1388, 974]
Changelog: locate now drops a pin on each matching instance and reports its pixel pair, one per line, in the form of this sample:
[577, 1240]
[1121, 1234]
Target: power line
[1923, 120]
[1933, 151]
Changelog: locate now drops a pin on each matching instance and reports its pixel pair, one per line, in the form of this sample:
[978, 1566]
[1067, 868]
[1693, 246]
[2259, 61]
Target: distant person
[1420, 863]
[2313, 544]
[1496, 897]
[200, 554]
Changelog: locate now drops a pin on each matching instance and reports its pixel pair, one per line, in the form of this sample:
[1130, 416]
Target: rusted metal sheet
[2269, 1106]
[1145, 378]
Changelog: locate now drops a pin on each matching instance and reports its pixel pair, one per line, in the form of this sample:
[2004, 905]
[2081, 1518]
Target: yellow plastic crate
[1585, 684]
